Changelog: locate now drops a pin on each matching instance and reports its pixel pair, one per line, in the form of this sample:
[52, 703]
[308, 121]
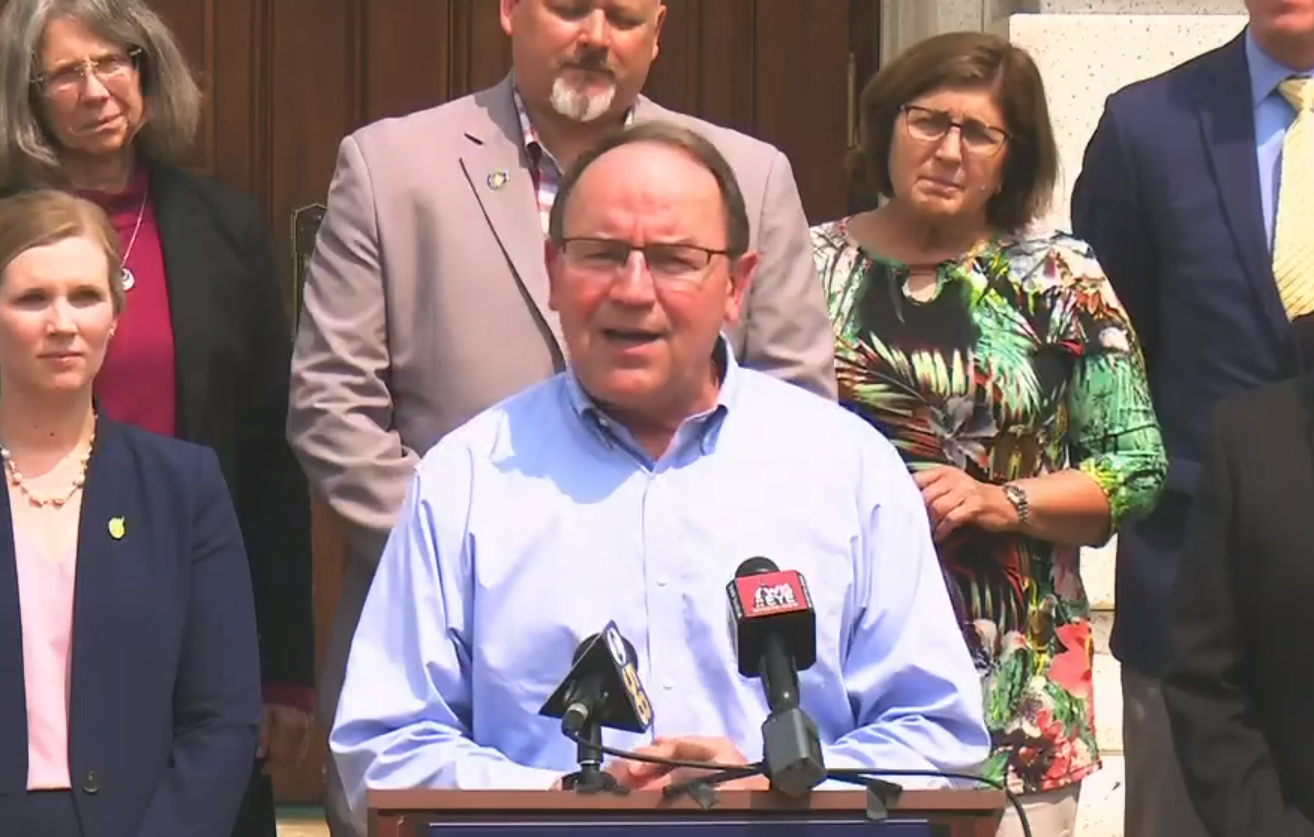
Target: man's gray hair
[28, 153]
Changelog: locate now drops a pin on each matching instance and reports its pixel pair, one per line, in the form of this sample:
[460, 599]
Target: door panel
[285, 81]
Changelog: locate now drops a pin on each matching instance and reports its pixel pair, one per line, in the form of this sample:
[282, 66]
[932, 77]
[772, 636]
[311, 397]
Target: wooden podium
[916, 813]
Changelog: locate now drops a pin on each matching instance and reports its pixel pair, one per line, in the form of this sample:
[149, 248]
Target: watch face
[1018, 498]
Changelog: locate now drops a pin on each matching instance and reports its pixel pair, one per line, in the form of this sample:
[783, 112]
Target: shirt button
[91, 782]
[662, 580]
[668, 685]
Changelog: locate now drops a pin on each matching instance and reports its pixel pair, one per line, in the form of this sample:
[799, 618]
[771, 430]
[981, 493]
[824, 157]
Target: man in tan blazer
[426, 298]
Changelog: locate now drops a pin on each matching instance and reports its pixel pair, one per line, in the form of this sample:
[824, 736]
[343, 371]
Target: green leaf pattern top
[1024, 363]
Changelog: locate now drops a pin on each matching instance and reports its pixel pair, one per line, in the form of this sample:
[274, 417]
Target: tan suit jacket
[426, 302]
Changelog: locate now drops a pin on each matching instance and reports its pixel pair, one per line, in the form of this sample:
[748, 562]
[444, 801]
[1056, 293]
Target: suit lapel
[497, 168]
[13, 696]
[1228, 123]
[183, 236]
[103, 498]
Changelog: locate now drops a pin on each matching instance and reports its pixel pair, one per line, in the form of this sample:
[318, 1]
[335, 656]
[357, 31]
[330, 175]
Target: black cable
[854, 776]
[628, 756]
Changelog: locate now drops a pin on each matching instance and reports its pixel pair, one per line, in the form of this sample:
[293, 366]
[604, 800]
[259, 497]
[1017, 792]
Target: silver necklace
[129, 279]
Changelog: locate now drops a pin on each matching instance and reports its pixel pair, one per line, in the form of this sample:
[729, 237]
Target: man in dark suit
[1179, 197]
[1237, 697]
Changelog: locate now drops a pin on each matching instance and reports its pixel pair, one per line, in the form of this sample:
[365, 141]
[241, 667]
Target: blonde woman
[129, 668]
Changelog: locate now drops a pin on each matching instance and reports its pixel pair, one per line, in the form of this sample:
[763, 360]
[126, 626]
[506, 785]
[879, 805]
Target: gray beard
[580, 107]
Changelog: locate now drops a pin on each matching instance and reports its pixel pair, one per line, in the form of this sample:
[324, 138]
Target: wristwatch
[1018, 497]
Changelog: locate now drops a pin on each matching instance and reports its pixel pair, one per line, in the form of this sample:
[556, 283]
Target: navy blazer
[1169, 198]
[165, 701]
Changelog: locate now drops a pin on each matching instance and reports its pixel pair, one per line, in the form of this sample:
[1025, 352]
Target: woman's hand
[953, 499]
[284, 737]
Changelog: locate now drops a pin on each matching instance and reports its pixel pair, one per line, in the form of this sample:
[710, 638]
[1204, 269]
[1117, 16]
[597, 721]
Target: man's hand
[642, 776]
[284, 737]
[954, 499]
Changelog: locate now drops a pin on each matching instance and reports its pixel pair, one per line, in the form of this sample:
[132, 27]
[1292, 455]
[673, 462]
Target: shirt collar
[710, 421]
[1265, 71]
[533, 145]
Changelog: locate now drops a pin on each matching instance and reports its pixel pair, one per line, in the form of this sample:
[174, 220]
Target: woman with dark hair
[96, 100]
[998, 360]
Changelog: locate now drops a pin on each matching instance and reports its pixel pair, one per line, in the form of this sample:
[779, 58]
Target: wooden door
[286, 80]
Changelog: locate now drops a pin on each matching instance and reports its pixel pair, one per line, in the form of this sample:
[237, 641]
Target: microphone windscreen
[755, 565]
[583, 648]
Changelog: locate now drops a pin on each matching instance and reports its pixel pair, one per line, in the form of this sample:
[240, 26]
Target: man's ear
[657, 34]
[742, 271]
[506, 13]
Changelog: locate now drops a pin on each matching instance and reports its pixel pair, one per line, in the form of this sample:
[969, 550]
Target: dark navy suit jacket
[1169, 198]
[165, 699]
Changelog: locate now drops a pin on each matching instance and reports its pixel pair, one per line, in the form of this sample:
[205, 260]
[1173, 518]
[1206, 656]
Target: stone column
[1087, 49]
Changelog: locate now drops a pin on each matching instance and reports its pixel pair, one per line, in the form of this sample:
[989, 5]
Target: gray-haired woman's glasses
[109, 69]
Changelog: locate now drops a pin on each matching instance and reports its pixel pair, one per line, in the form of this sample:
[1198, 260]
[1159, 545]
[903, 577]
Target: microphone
[602, 689]
[775, 635]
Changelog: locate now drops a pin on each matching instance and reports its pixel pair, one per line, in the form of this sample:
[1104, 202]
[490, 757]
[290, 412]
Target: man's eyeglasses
[109, 69]
[927, 125]
[606, 258]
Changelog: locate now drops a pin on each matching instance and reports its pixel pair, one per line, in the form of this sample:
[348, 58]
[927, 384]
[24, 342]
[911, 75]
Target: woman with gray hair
[96, 99]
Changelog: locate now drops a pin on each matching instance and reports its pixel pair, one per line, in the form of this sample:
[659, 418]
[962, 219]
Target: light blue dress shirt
[530, 527]
[1273, 116]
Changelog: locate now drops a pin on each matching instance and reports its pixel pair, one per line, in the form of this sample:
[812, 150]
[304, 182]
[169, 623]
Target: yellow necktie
[1293, 240]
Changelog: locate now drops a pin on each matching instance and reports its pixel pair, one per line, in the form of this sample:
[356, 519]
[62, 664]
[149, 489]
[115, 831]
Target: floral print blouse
[1022, 363]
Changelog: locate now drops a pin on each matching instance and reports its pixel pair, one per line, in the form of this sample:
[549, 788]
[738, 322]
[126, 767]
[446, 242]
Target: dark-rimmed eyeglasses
[929, 125]
[606, 257]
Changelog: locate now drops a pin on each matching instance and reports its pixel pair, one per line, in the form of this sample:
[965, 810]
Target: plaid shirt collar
[538, 153]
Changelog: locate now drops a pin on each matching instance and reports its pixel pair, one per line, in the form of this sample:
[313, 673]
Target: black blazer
[1169, 197]
[232, 359]
[164, 701]
[1238, 690]
[233, 345]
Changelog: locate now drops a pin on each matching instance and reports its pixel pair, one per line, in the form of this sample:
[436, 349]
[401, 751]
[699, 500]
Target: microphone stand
[591, 778]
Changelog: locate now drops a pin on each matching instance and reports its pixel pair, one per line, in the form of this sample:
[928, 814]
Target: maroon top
[136, 384]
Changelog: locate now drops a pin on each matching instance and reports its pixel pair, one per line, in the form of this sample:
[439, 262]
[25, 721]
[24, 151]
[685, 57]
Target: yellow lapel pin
[117, 528]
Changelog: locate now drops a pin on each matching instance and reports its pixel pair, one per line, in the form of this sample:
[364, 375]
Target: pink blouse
[45, 597]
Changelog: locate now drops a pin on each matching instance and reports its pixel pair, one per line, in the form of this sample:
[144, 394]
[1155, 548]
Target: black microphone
[602, 688]
[775, 633]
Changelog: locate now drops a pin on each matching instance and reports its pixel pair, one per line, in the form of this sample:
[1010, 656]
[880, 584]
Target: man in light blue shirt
[630, 489]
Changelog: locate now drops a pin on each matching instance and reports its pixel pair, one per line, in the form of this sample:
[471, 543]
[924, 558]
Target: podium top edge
[523, 802]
